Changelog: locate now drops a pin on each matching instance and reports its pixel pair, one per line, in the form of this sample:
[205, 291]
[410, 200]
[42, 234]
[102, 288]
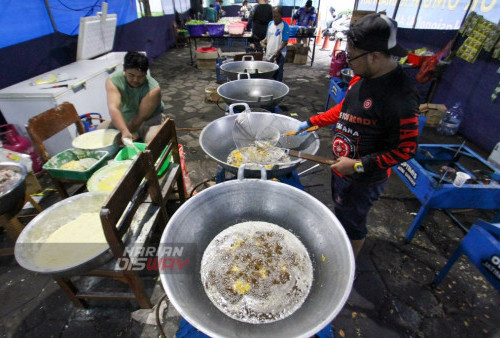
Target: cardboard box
[207, 60]
[32, 184]
[301, 54]
[290, 53]
[433, 112]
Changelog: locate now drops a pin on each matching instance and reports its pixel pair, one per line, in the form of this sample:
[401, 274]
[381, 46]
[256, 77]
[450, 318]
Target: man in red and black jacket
[376, 123]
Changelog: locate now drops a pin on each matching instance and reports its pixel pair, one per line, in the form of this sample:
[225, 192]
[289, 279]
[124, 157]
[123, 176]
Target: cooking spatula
[311, 157]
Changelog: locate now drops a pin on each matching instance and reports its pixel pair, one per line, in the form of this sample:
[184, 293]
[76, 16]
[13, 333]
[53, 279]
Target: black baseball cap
[376, 33]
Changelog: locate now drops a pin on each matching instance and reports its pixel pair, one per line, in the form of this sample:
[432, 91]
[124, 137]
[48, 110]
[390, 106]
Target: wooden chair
[130, 215]
[47, 124]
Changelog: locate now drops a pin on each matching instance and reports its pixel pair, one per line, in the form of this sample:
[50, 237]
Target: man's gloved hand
[303, 125]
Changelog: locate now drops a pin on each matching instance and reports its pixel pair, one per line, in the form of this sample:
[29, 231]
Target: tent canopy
[26, 20]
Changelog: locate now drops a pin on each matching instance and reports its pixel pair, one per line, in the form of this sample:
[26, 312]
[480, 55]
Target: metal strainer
[259, 138]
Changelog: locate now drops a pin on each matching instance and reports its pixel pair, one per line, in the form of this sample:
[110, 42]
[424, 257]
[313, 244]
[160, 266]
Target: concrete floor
[392, 296]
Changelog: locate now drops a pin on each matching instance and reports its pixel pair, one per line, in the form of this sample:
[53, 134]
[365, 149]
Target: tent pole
[50, 15]
[416, 14]
[147, 9]
[396, 9]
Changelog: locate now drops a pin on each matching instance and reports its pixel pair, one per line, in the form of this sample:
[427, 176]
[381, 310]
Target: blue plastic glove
[302, 126]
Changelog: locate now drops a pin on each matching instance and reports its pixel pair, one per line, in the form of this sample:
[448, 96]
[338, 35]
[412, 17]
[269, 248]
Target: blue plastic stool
[187, 330]
[482, 246]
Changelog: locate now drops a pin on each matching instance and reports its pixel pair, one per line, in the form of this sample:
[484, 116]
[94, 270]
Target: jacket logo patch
[367, 104]
[342, 146]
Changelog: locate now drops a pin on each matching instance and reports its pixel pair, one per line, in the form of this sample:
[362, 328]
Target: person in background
[276, 40]
[245, 11]
[134, 100]
[376, 123]
[260, 16]
[211, 14]
[305, 17]
[217, 7]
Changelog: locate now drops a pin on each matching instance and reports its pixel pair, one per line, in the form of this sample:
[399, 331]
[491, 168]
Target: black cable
[157, 312]
[196, 186]
[217, 103]
[79, 9]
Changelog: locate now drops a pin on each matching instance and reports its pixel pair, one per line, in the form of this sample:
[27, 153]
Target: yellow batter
[73, 243]
[95, 139]
[108, 182]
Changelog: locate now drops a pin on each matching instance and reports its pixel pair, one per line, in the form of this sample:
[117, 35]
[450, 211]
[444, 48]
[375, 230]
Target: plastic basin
[196, 30]
[215, 29]
[52, 166]
[128, 153]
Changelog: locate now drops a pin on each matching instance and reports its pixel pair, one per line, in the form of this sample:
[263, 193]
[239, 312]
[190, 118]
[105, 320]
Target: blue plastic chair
[336, 91]
[482, 246]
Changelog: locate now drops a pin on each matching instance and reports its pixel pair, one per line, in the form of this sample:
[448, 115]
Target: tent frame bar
[50, 15]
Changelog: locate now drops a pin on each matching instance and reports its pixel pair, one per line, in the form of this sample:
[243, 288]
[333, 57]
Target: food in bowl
[8, 179]
[256, 272]
[95, 139]
[72, 243]
[263, 154]
[107, 178]
[82, 164]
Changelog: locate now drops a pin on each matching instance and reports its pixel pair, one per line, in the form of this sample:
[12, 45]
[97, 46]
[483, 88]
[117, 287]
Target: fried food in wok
[256, 272]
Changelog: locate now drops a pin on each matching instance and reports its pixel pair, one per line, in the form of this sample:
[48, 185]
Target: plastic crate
[53, 164]
[215, 29]
[196, 30]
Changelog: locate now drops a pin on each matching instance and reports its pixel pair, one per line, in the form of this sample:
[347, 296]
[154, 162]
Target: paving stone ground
[392, 296]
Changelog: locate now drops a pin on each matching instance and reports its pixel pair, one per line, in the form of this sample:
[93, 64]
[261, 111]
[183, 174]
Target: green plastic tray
[53, 164]
[128, 153]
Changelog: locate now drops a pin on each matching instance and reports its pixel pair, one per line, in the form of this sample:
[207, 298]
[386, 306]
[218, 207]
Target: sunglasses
[351, 59]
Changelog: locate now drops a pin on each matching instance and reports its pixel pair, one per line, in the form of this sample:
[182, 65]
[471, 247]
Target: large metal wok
[205, 215]
[256, 69]
[11, 200]
[216, 140]
[255, 92]
[31, 238]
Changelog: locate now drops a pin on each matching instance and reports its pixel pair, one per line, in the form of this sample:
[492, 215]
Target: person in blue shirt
[276, 40]
[305, 17]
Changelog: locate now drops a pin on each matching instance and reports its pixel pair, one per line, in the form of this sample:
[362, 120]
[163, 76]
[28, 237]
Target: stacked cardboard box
[301, 53]
[290, 53]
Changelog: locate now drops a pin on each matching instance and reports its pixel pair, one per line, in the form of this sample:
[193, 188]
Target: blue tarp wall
[43, 49]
